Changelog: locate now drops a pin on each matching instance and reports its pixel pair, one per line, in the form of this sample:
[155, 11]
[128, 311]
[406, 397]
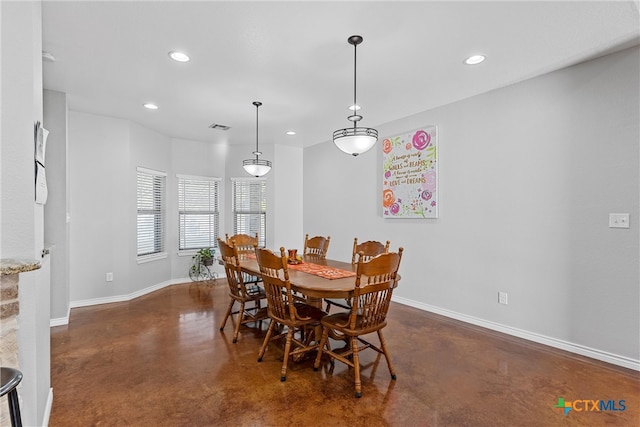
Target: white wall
[100, 206]
[34, 342]
[528, 175]
[287, 200]
[19, 39]
[56, 228]
[21, 219]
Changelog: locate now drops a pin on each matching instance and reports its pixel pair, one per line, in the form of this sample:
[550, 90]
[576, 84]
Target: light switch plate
[618, 220]
[502, 298]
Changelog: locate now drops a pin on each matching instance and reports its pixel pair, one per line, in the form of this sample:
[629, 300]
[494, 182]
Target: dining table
[315, 277]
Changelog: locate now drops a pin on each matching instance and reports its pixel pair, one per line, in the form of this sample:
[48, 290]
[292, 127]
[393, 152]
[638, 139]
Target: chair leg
[383, 346]
[323, 341]
[272, 326]
[287, 349]
[14, 408]
[239, 322]
[356, 366]
[226, 316]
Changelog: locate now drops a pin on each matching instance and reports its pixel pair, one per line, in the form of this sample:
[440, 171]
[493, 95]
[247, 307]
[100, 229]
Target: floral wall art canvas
[410, 174]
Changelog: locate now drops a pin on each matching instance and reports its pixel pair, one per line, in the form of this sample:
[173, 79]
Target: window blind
[249, 206]
[151, 211]
[198, 214]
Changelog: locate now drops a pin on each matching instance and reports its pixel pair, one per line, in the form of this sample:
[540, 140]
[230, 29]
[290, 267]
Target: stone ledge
[15, 266]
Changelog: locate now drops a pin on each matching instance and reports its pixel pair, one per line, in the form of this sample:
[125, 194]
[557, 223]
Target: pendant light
[355, 140]
[257, 167]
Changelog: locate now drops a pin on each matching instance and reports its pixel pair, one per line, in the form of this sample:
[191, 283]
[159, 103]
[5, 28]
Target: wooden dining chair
[375, 282]
[283, 310]
[366, 251]
[240, 292]
[245, 245]
[243, 242]
[317, 245]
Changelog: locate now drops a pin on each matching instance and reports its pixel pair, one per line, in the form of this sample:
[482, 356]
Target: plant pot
[207, 261]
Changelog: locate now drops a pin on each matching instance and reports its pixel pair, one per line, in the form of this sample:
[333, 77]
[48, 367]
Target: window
[249, 206]
[198, 215]
[151, 212]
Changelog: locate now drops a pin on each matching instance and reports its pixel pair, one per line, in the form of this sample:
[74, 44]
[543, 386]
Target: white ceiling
[111, 57]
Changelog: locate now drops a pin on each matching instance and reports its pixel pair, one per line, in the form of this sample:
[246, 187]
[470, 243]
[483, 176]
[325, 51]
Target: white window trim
[249, 178]
[151, 171]
[153, 257]
[209, 178]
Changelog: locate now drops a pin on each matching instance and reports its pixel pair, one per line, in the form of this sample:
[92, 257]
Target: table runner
[317, 270]
[322, 270]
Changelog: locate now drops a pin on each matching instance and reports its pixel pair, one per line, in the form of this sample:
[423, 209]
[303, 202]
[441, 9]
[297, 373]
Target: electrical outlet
[109, 277]
[502, 298]
[618, 220]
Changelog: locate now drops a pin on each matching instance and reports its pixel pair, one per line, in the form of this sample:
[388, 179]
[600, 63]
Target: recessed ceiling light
[291, 132]
[150, 106]
[179, 56]
[354, 107]
[475, 59]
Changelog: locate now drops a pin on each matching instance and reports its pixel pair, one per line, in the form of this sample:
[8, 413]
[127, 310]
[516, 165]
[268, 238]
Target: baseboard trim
[128, 297]
[625, 362]
[60, 321]
[47, 410]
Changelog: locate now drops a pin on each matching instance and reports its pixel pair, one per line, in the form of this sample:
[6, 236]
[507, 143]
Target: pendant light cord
[355, 117]
[355, 60]
[257, 104]
[355, 65]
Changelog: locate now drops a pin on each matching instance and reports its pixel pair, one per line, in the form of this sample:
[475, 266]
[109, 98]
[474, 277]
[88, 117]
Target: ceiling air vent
[218, 126]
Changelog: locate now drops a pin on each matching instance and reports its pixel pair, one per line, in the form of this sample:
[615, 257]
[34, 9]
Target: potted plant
[205, 255]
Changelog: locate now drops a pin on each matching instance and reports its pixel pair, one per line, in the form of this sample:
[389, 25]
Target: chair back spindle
[375, 281]
[243, 242]
[275, 278]
[369, 249]
[244, 246]
[231, 268]
[364, 251]
[318, 245]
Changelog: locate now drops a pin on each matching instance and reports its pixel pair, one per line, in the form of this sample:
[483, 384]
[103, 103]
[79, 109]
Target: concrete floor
[160, 360]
